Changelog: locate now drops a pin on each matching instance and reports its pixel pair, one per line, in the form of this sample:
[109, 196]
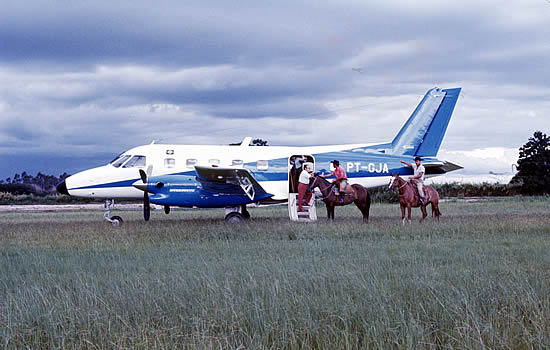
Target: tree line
[40, 184]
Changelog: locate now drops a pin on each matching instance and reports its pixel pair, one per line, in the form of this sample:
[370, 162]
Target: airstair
[309, 212]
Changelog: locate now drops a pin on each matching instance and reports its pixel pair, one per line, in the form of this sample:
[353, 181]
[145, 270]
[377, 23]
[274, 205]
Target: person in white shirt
[303, 182]
[418, 176]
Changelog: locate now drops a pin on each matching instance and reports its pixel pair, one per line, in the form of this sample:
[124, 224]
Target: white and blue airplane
[232, 176]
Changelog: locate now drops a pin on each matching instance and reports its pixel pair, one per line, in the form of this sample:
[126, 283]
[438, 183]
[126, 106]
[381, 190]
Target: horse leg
[403, 214]
[363, 209]
[409, 209]
[330, 211]
[435, 208]
[424, 213]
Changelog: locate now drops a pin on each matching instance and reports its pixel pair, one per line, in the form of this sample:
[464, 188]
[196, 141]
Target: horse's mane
[322, 178]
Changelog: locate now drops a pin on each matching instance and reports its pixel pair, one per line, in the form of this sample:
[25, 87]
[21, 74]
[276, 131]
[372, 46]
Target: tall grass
[479, 279]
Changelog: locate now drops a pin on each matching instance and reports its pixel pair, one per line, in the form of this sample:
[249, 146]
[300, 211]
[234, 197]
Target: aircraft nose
[62, 188]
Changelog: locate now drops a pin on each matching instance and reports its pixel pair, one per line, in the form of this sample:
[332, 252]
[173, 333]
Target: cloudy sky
[83, 81]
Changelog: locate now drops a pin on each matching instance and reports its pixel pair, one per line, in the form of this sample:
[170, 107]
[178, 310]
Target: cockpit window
[135, 162]
[116, 158]
[118, 161]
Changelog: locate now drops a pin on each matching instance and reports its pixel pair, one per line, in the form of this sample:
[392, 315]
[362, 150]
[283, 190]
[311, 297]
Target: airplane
[230, 177]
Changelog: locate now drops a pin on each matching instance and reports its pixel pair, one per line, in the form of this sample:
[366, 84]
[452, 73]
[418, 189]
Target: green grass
[479, 279]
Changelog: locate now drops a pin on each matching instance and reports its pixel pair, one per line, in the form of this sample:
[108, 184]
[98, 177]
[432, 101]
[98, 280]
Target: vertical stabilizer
[424, 130]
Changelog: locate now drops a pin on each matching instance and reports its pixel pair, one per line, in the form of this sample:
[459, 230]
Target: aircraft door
[307, 211]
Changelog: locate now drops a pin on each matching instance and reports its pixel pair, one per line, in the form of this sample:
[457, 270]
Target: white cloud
[498, 160]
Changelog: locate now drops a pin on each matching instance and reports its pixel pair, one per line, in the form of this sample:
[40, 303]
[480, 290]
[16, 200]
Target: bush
[451, 190]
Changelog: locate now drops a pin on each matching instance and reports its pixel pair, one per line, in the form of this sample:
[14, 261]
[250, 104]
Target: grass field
[479, 279]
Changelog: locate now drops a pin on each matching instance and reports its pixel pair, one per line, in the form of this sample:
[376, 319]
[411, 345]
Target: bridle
[311, 188]
[400, 187]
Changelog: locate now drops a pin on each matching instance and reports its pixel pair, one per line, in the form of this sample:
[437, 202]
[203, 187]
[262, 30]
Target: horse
[408, 197]
[354, 193]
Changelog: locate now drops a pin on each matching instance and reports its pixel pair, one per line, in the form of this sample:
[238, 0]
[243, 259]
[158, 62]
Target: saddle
[347, 191]
[426, 193]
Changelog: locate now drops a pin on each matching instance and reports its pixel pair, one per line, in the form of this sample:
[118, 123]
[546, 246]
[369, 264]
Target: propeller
[146, 203]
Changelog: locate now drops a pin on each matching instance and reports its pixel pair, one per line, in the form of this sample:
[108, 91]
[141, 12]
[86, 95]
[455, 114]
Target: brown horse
[408, 198]
[354, 193]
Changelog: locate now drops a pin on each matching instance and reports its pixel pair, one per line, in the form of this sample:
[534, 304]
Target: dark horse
[357, 194]
[408, 197]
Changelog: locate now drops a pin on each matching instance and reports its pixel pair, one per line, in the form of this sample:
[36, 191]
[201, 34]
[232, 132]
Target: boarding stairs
[308, 215]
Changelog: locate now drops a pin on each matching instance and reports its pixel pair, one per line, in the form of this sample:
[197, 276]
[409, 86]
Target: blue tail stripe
[424, 130]
[434, 136]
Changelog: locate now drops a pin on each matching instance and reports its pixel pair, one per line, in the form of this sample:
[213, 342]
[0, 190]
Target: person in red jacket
[341, 180]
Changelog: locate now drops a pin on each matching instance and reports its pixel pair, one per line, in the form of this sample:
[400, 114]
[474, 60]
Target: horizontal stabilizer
[439, 167]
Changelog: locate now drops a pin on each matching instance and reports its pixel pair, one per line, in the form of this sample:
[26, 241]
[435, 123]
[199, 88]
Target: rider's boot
[342, 194]
[422, 200]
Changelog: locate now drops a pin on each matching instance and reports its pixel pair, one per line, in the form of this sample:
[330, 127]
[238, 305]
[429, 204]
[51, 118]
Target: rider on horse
[418, 176]
[341, 180]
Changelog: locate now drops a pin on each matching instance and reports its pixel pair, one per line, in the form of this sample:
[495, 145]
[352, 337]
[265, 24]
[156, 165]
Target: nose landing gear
[114, 220]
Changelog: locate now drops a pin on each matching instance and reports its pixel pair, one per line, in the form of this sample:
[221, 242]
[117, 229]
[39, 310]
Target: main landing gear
[235, 215]
[114, 220]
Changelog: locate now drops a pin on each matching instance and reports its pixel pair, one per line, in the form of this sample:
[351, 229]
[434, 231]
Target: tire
[116, 220]
[234, 218]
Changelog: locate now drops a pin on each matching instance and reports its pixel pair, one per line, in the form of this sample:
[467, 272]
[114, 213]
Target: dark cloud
[100, 77]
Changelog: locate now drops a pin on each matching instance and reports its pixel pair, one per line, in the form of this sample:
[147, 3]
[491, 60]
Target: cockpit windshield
[135, 162]
[117, 162]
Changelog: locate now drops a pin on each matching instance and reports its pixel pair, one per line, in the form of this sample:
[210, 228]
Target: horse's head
[313, 182]
[394, 181]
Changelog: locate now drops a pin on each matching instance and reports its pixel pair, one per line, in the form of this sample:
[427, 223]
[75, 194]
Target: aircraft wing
[230, 181]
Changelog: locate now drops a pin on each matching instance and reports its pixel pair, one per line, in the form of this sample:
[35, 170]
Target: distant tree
[255, 142]
[534, 165]
[25, 183]
[259, 142]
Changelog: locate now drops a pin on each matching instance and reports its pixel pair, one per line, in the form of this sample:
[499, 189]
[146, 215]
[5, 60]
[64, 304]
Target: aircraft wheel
[116, 221]
[234, 218]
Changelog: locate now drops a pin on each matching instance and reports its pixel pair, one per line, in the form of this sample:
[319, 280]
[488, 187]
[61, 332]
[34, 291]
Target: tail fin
[423, 132]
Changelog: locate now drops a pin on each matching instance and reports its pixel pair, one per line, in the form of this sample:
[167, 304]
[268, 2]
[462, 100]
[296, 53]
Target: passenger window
[190, 163]
[262, 165]
[135, 162]
[214, 161]
[237, 162]
[120, 160]
[169, 163]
